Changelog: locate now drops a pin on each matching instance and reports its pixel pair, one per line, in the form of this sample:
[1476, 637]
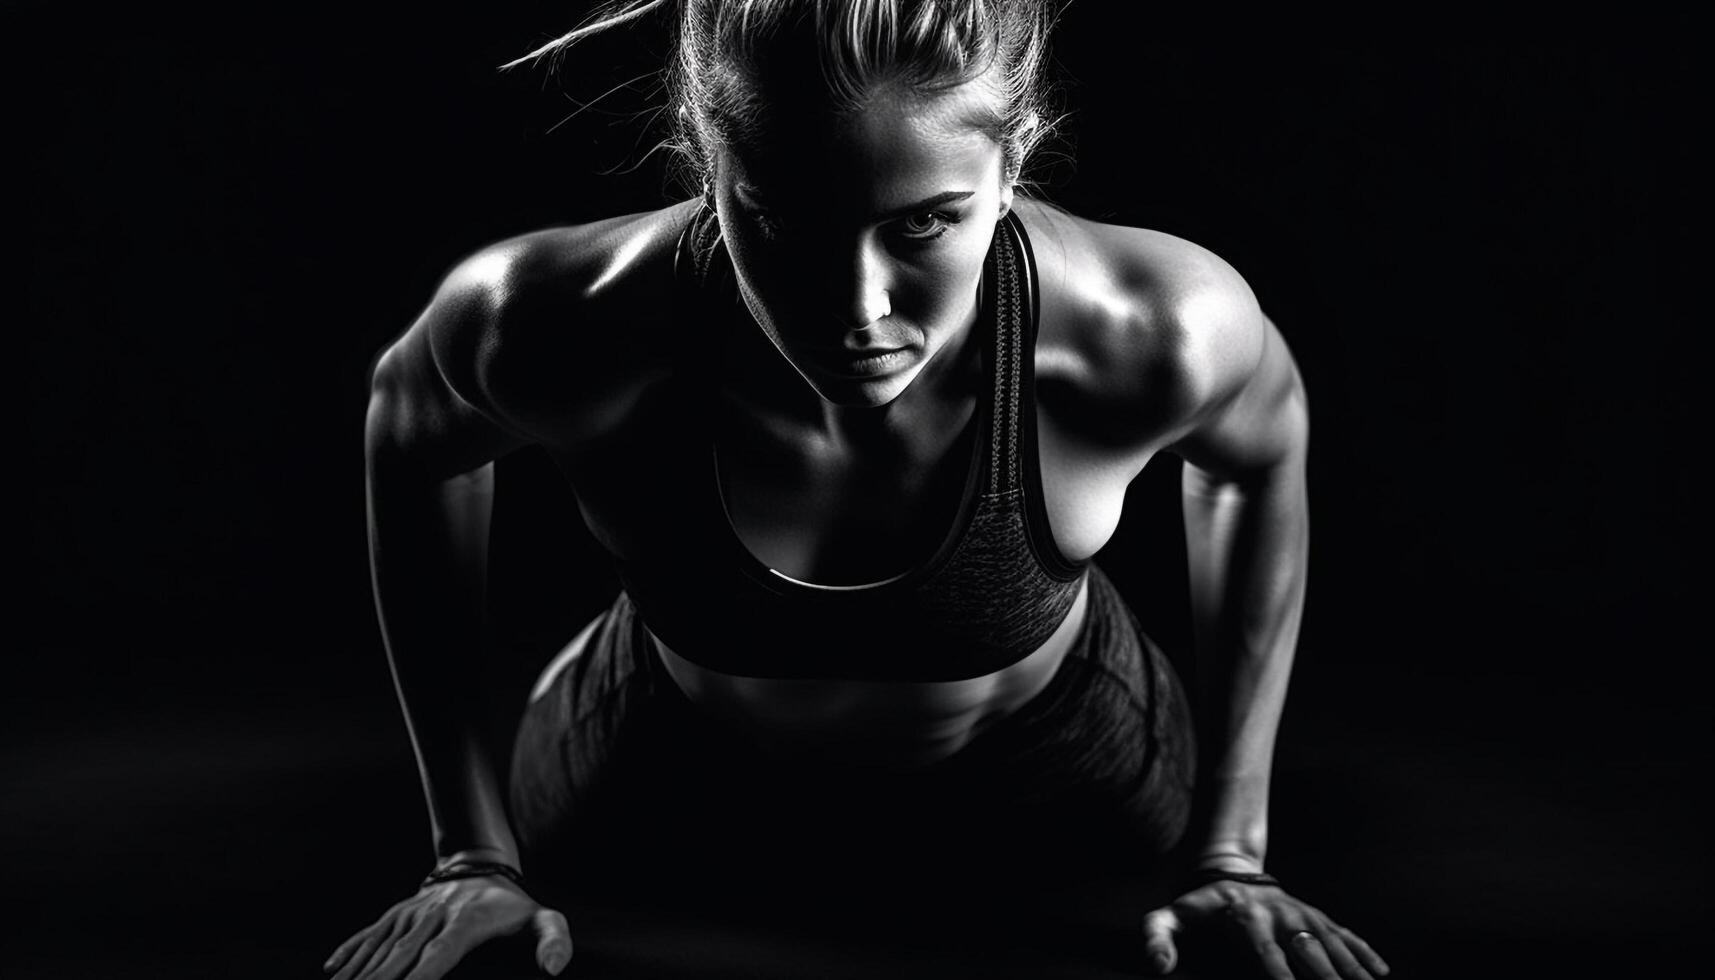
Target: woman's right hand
[425, 936]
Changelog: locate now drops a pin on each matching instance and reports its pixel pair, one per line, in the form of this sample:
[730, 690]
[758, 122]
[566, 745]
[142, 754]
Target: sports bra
[990, 595]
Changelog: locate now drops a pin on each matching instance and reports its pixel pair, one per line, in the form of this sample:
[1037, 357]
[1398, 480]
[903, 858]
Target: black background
[1474, 249]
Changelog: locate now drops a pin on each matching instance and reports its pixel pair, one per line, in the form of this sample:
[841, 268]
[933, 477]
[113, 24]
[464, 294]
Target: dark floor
[197, 841]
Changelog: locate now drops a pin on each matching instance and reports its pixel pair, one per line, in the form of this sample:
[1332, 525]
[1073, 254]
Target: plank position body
[853, 424]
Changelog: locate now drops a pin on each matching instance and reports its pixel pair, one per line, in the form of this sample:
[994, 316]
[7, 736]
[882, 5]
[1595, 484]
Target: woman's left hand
[1293, 941]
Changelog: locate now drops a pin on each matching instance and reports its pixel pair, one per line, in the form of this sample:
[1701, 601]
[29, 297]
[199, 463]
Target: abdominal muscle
[884, 724]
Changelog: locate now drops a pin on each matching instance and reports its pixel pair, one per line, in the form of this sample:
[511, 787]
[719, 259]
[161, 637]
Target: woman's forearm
[428, 546]
[1248, 548]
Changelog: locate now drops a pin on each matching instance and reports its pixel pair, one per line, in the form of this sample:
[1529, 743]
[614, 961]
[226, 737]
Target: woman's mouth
[862, 364]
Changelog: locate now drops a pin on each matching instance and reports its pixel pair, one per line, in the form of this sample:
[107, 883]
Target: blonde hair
[739, 63]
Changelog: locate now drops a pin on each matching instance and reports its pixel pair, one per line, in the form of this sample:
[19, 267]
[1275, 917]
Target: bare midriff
[888, 724]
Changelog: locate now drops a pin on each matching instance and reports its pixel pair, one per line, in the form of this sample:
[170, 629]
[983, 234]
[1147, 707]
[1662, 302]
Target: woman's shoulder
[605, 255]
[574, 317]
[1138, 328]
[597, 270]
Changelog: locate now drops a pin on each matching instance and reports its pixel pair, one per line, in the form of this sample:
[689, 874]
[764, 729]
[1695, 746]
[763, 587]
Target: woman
[852, 425]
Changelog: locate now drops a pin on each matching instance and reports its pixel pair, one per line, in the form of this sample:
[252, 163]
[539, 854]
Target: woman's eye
[767, 224]
[925, 227]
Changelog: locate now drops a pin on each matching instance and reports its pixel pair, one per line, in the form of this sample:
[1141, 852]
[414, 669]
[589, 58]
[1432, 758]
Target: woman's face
[865, 234]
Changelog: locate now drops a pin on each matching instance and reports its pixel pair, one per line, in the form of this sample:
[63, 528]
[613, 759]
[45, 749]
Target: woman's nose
[857, 283]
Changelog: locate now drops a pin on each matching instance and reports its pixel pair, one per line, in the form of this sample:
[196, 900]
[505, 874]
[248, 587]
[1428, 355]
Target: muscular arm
[505, 355]
[1247, 534]
[429, 478]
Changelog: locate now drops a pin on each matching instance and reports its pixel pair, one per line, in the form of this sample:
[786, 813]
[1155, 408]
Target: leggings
[612, 761]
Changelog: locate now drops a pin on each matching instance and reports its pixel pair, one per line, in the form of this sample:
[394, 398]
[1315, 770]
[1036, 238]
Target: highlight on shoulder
[570, 321]
[544, 338]
[577, 269]
[1141, 328]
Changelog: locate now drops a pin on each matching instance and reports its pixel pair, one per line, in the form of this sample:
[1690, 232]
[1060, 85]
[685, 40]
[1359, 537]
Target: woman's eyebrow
[945, 197]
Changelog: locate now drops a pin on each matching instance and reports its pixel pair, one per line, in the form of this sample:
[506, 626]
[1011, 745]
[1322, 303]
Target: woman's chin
[859, 391]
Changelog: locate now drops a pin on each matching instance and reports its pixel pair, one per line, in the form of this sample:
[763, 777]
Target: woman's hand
[1293, 940]
[424, 936]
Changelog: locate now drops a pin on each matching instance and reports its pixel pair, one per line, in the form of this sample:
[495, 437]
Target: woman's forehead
[893, 145]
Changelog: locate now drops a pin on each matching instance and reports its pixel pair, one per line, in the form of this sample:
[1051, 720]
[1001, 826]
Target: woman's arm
[428, 549]
[1245, 442]
[498, 360]
[428, 446]
[525, 342]
[429, 477]
[1247, 531]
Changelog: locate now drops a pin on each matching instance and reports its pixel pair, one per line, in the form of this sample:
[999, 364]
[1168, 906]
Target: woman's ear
[1005, 201]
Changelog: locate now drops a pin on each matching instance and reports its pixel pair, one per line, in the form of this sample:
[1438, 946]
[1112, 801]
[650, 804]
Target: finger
[1307, 950]
[1158, 929]
[554, 942]
[379, 936]
[1340, 954]
[1362, 950]
[346, 949]
[1262, 941]
[405, 949]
